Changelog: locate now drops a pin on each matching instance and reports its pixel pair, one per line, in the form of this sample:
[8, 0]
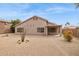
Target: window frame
[21, 29]
[40, 29]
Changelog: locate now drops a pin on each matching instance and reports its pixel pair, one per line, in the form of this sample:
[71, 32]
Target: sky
[59, 13]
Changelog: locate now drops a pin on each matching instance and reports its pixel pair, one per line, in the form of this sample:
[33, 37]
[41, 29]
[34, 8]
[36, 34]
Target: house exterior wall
[31, 26]
[4, 27]
[7, 27]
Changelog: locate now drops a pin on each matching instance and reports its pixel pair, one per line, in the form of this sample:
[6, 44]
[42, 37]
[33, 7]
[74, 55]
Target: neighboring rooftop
[72, 27]
[4, 21]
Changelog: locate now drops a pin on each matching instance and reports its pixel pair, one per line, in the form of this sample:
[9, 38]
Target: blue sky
[59, 13]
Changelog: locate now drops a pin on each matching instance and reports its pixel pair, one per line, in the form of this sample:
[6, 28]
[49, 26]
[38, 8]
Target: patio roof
[49, 24]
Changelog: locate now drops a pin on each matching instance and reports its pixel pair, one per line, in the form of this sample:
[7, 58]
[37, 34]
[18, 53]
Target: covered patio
[53, 30]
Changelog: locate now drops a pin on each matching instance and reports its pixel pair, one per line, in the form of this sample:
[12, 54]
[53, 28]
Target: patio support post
[60, 31]
[57, 30]
[46, 32]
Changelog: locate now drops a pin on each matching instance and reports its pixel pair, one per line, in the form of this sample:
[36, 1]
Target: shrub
[19, 41]
[27, 41]
[68, 35]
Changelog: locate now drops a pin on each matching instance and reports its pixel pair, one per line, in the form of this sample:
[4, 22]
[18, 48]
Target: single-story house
[38, 25]
[4, 26]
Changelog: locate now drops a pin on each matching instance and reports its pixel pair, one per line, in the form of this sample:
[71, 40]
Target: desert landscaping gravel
[37, 46]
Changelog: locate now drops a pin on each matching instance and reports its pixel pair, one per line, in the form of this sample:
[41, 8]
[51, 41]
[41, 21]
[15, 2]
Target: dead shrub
[27, 41]
[19, 41]
[68, 35]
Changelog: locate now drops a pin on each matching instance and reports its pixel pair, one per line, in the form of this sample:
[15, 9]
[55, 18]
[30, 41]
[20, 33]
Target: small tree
[23, 35]
[14, 23]
[67, 24]
[77, 5]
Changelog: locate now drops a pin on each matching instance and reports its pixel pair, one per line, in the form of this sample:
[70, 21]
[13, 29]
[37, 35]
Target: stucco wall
[31, 26]
[4, 27]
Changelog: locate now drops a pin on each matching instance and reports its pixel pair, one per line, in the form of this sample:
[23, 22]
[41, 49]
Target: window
[41, 30]
[20, 29]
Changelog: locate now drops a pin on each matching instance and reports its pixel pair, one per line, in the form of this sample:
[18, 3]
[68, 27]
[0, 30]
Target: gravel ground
[37, 46]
